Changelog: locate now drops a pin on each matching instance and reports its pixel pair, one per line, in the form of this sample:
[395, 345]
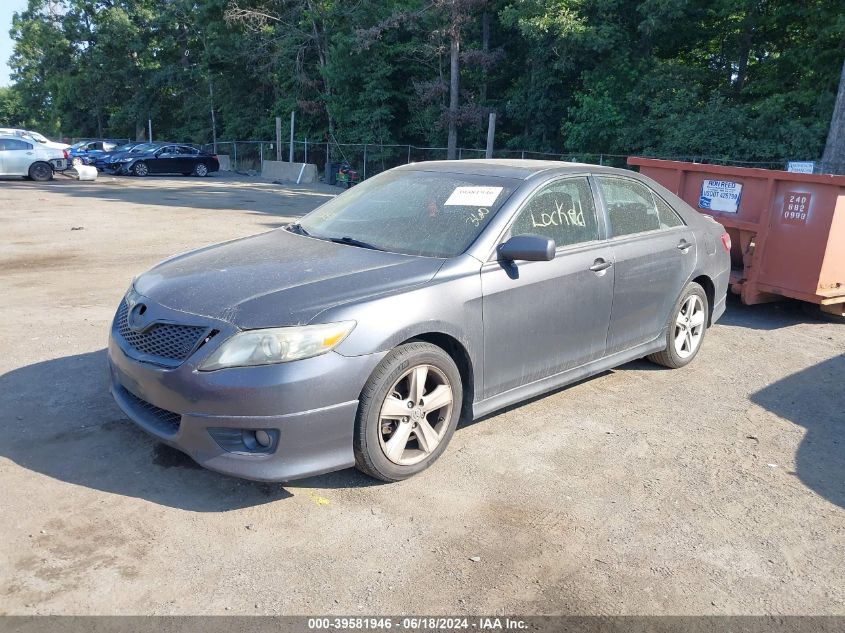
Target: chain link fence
[372, 158]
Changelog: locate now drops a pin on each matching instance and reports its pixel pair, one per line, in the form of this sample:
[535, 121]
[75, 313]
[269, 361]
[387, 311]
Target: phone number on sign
[363, 624]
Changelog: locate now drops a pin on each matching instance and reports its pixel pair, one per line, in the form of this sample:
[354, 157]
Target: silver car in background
[25, 157]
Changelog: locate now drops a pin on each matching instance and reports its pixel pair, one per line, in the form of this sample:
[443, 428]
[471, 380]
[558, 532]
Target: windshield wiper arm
[296, 227]
[351, 241]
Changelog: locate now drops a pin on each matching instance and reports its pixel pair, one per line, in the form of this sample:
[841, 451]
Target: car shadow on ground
[216, 192]
[812, 398]
[58, 419]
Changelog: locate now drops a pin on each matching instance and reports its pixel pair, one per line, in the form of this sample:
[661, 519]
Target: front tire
[408, 412]
[686, 328]
[140, 169]
[40, 172]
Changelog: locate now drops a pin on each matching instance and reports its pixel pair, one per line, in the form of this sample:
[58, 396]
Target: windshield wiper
[351, 241]
[296, 227]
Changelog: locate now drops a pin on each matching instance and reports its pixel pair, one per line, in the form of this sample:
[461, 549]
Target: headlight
[277, 345]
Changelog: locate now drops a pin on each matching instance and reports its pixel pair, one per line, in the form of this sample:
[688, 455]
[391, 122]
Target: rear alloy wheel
[140, 169]
[41, 172]
[408, 412]
[201, 170]
[685, 330]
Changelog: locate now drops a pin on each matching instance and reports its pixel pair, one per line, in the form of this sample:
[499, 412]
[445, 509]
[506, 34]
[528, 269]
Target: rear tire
[685, 330]
[390, 445]
[201, 170]
[40, 172]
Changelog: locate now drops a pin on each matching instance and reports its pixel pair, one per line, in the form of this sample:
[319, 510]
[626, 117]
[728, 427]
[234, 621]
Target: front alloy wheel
[414, 415]
[140, 169]
[408, 411]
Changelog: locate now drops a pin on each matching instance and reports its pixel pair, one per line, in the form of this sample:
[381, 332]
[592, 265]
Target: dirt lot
[718, 488]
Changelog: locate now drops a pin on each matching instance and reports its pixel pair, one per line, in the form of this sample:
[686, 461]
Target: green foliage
[735, 79]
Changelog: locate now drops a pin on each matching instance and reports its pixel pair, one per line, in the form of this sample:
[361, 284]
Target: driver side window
[563, 210]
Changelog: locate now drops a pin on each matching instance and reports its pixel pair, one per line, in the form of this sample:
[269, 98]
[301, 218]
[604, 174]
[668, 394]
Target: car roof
[509, 168]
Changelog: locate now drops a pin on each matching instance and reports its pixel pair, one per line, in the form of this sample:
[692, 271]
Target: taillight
[726, 241]
[64, 151]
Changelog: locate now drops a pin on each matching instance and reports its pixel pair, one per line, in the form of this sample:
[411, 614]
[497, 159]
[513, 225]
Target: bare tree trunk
[485, 46]
[833, 160]
[454, 88]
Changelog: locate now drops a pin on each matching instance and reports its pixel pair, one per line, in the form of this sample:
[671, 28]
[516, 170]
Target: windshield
[435, 214]
[142, 148]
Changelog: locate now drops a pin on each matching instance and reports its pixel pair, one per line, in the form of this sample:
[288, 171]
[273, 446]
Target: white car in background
[20, 156]
[35, 136]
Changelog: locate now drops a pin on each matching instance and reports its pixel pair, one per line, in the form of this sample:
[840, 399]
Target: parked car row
[143, 159]
[31, 155]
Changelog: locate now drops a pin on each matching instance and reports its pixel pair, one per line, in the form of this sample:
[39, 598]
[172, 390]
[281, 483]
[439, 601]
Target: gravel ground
[715, 489]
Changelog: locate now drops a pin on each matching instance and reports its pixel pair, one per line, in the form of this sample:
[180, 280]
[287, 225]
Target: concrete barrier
[289, 172]
[225, 162]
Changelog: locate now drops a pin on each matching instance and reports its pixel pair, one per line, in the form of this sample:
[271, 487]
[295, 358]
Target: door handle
[684, 246]
[600, 265]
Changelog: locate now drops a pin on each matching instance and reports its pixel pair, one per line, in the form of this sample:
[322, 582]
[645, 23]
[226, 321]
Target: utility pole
[279, 138]
[150, 128]
[292, 119]
[491, 133]
[213, 121]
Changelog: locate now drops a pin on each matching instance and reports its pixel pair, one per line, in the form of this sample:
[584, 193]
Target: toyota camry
[434, 292]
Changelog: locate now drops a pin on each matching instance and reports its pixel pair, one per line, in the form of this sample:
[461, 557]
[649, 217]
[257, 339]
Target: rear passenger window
[668, 216]
[634, 208]
[563, 211]
[15, 144]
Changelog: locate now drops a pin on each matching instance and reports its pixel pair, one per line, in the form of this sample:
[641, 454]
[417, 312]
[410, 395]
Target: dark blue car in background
[86, 152]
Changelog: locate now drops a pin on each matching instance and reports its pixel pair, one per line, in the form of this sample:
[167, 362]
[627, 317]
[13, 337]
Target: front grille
[169, 341]
[164, 421]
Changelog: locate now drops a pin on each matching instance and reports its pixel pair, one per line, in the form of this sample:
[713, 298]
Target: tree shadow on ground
[217, 192]
[813, 398]
[57, 418]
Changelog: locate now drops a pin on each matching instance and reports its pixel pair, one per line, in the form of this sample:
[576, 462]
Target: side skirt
[550, 383]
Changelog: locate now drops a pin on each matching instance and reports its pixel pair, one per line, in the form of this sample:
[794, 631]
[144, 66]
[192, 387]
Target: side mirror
[530, 248]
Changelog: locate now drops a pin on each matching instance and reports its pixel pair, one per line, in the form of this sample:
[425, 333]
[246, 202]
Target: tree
[833, 160]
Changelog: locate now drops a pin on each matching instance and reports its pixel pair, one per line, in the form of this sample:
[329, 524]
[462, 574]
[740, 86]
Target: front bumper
[308, 405]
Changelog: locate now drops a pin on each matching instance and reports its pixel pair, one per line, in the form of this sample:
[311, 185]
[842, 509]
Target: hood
[278, 278]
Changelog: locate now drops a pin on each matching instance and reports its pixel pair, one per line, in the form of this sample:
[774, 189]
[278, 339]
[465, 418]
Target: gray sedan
[433, 292]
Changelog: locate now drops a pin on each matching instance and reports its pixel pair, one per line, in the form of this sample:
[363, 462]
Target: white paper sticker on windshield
[473, 197]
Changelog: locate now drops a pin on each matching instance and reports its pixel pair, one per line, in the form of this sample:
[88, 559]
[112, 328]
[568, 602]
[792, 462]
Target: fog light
[246, 441]
[263, 438]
